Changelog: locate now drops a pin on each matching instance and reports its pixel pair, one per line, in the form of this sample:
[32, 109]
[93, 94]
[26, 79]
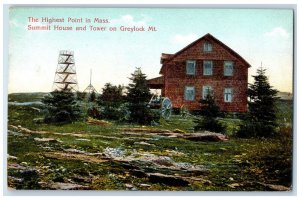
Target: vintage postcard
[150, 99]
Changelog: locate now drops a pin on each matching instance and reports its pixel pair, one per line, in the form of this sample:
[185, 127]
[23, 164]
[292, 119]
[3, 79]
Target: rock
[74, 151]
[144, 143]
[145, 185]
[235, 185]
[15, 166]
[167, 179]
[129, 186]
[14, 133]
[45, 140]
[274, 187]
[14, 179]
[206, 182]
[206, 136]
[113, 152]
[9, 157]
[95, 154]
[67, 186]
[199, 169]
[164, 160]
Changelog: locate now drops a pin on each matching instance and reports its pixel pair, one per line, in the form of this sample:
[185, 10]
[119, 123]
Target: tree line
[131, 106]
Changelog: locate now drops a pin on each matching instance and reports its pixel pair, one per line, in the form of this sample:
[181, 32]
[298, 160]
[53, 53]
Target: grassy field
[93, 157]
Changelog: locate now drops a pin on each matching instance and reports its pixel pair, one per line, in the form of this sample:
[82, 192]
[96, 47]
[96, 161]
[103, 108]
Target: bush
[210, 124]
[256, 129]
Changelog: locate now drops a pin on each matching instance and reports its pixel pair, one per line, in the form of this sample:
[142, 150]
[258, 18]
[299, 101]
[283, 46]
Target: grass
[238, 161]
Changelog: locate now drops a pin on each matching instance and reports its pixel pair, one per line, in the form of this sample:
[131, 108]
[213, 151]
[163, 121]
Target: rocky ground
[130, 159]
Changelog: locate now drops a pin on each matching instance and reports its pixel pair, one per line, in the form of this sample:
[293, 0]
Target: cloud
[278, 32]
[184, 39]
[131, 21]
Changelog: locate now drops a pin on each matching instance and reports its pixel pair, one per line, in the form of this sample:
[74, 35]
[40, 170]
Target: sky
[261, 36]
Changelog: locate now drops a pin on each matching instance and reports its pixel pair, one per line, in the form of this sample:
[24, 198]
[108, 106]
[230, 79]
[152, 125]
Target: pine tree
[262, 111]
[138, 95]
[209, 111]
[61, 107]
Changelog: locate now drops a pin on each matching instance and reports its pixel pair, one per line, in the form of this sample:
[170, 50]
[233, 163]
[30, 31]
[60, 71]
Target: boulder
[67, 186]
[206, 136]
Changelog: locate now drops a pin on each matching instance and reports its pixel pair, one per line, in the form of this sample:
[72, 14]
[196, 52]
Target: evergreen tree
[111, 95]
[261, 121]
[111, 102]
[61, 107]
[80, 95]
[209, 111]
[92, 97]
[138, 96]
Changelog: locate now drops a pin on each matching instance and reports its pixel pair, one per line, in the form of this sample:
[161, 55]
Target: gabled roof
[165, 56]
[170, 57]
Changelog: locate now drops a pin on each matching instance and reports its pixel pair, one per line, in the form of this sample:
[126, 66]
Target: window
[191, 67]
[189, 93]
[228, 68]
[207, 47]
[206, 90]
[228, 94]
[207, 67]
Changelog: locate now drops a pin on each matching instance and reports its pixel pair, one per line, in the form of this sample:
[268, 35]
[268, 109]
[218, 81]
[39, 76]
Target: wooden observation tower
[65, 76]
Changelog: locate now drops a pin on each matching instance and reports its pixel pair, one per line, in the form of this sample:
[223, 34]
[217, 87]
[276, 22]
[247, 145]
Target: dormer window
[207, 47]
[190, 67]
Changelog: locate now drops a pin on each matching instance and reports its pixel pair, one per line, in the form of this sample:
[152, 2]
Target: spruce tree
[61, 107]
[261, 121]
[209, 112]
[138, 95]
[111, 102]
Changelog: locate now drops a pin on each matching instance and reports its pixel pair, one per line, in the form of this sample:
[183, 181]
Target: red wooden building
[206, 65]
